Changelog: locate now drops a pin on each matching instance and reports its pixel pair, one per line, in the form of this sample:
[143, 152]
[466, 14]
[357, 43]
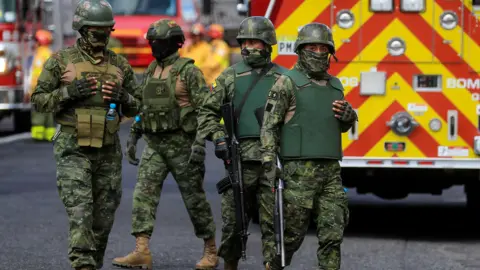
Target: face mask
[97, 38]
[255, 57]
[161, 49]
[315, 63]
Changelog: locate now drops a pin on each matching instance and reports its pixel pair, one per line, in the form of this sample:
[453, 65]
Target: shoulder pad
[241, 67]
[297, 77]
[336, 83]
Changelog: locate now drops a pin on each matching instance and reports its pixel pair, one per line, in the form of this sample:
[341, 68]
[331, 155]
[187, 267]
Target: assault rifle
[279, 225]
[234, 179]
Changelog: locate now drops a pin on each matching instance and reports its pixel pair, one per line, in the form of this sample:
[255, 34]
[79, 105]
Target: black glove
[221, 148]
[198, 151]
[346, 113]
[272, 172]
[82, 88]
[118, 95]
[131, 150]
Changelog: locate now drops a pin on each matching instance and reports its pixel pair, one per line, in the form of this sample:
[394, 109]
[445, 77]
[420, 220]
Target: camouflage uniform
[309, 134]
[87, 148]
[231, 86]
[171, 90]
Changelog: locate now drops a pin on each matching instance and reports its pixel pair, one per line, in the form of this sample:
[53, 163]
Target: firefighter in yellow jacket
[198, 49]
[219, 58]
[43, 124]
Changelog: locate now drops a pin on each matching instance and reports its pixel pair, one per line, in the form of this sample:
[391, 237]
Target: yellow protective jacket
[219, 60]
[200, 52]
[40, 57]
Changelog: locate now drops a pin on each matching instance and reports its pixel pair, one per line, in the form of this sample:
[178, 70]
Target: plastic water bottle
[112, 112]
[137, 118]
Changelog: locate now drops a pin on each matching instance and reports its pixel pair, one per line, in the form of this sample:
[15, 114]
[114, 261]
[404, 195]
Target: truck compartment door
[345, 21]
[472, 40]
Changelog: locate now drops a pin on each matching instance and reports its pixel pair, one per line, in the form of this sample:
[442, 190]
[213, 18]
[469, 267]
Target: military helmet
[257, 27]
[315, 33]
[93, 13]
[164, 29]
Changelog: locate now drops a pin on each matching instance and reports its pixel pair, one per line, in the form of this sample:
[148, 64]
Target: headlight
[448, 20]
[345, 19]
[381, 5]
[396, 47]
[412, 5]
[3, 64]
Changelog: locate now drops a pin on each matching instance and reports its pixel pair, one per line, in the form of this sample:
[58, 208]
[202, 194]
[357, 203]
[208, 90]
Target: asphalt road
[419, 233]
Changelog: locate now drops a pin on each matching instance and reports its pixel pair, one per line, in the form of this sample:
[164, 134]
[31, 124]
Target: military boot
[139, 258]
[85, 268]
[230, 265]
[209, 259]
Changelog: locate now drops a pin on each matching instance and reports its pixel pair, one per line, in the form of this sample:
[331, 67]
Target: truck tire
[21, 121]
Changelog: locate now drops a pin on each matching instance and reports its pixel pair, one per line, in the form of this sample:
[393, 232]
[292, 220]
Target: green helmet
[257, 27]
[164, 29]
[315, 33]
[93, 13]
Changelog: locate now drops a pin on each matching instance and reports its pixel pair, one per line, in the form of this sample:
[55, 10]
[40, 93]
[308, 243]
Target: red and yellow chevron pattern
[430, 49]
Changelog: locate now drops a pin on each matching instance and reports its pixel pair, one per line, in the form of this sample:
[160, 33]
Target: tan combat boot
[139, 258]
[84, 268]
[230, 265]
[267, 266]
[209, 259]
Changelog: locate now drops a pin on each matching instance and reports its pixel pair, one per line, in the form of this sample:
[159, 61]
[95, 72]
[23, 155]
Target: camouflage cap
[257, 27]
[164, 29]
[93, 13]
[315, 33]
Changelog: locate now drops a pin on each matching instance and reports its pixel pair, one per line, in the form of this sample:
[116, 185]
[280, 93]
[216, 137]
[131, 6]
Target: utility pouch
[188, 119]
[90, 127]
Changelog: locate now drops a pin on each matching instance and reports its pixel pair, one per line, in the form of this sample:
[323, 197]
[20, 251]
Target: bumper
[12, 98]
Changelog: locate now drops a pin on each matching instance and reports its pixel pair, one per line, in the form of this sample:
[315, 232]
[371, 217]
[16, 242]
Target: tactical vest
[89, 115]
[313, 131]
[247, 126]
[160, 111]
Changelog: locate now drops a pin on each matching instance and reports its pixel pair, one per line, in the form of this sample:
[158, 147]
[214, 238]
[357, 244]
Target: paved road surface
[381, 236]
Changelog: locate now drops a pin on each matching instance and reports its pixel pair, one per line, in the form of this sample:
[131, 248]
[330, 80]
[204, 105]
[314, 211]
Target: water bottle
[137, 118]
[111, 112]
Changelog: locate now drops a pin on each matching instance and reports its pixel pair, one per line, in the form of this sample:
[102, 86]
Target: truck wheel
[21, 121]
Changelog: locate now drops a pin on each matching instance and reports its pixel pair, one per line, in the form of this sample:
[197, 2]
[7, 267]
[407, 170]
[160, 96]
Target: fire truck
[410, 68]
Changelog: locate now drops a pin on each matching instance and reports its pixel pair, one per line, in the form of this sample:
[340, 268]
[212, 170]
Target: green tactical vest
[160, 111]
[244, 75]
[88, 116]
[313, 131]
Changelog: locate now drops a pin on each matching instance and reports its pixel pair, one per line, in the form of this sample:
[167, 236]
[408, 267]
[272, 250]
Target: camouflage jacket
[279, 109]
[209, 115]
[191, 88]
[48, 95]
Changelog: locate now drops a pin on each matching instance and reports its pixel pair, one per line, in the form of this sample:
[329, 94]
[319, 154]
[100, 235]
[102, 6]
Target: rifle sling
[262, 73]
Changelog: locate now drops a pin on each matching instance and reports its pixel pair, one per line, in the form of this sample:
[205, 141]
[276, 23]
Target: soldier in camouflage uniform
[172, 89]
[239, 84]
[307, 125]
[78, 84]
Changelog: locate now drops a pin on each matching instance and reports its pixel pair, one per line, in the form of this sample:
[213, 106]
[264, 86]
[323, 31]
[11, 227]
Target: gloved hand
[198, 151]
[344, 111]
[82, 88]
[221, 148]
[115, 93]
[272, 172]
[131, 150]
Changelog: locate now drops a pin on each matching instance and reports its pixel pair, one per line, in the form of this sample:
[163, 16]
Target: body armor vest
[160, 110]
[247, 126]
[313, 131]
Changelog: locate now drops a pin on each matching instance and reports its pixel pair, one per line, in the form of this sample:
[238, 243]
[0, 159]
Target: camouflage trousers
[313, 189]
[257, 189]
[169, 153]
[89, 182]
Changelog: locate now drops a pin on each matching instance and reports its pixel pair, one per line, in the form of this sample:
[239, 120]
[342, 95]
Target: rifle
[279, 225]
[234, 178]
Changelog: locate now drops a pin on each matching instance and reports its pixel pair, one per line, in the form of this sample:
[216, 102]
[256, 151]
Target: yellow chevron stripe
[304, 14]
[470, 48]
[406, 95]
[410, 149]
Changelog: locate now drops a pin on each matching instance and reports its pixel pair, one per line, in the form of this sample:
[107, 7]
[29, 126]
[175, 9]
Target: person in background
[43, 125]
[199, 49]
[220, 54]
